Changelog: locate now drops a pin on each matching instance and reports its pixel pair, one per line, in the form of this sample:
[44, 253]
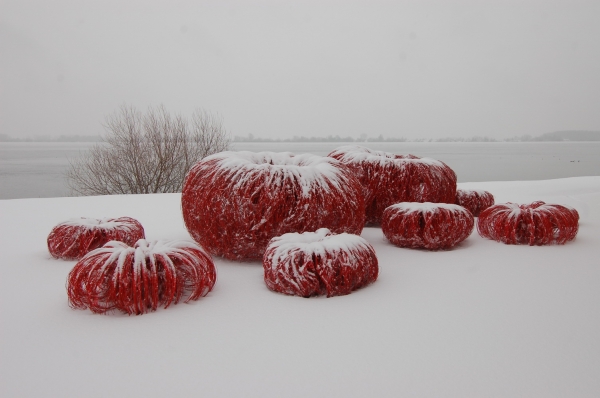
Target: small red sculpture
[317, 263]
[234, 202]
[139, 279]
[474, 200]
[73, 239]
[430, 226]
[388, 178]
[534, 224]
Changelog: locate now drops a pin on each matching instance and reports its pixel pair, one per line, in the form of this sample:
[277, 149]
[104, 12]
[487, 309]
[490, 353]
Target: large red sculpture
[234, 202]
[474, 200]
[533, 224]
[73, 239]
[388, 178]
[139, 279]
[430, 226]
[317, 263]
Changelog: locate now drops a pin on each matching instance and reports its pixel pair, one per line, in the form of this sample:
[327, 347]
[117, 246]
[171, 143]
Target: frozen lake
[36, 170]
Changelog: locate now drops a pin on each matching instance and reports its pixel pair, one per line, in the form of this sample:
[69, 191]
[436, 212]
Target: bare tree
[146, 153]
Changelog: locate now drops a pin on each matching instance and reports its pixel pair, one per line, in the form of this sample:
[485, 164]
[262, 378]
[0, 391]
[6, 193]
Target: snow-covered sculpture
[474, 200]
[139, 279]
[427, 225]
[317, 263]
[533, 224]
[72, 239]
[234, 202]
[388, 178]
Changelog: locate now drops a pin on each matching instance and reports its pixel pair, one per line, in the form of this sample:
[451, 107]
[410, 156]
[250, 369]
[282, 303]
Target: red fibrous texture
[388, 179]
[430, 226]
[318, 263]
[73, 239]
[234, 202]
[533, 224]
[139, 279]
[474, 201]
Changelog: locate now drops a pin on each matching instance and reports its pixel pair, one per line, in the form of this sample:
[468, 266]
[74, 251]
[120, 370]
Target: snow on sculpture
[388, 178]
[316, 263]
[427, 225]
[234, 202]
[139, 279]
[72, 239]
[474, 200]
[534, 224]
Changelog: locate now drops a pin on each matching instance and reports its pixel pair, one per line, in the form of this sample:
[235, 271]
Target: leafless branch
[146, 153]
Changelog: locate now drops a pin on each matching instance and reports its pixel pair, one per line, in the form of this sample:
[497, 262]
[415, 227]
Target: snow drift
[482, 319]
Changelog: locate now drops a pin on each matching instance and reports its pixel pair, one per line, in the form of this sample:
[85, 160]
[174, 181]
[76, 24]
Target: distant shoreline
[556, 136]
[62, 138]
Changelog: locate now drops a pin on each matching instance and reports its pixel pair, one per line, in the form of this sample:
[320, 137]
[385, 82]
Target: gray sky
[277, 69]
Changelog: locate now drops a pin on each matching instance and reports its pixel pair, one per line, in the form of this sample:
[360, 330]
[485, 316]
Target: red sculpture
[430, 226]
[474, 200]
[139, 279]
[317, 263]
[73, 239]
[533, 224]
[234, 202]
[388, 178]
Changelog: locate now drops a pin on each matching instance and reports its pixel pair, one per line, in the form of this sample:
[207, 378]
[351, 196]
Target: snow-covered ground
[482, 320]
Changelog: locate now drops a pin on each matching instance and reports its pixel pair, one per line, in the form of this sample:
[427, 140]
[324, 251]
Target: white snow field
[482, 320]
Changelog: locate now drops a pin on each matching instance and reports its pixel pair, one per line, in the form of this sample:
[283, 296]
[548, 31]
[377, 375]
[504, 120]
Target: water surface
[36, 170]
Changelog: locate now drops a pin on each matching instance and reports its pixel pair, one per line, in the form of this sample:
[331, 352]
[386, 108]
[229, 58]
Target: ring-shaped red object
[388, 178]
[139, 279]
[474, 200]
[73, 239]
[234, 202]
[533, 224]
[318, 263]
[431, 226]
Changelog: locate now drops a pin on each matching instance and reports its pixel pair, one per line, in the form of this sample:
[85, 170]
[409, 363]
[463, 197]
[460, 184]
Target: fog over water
[36, 170]
[415, 69]
[276, 69]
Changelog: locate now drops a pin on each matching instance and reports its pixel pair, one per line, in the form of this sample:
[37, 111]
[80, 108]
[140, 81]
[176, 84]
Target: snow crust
[427, 207]
[144, 250]
[305, 169]
[513, 210]
[472, 191]
[357, 153]
[94, 223]
[319, 242]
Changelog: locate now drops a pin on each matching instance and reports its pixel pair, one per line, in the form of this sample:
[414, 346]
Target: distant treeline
[571, 135]
[568, 135]
[62, 138]
[329, 138]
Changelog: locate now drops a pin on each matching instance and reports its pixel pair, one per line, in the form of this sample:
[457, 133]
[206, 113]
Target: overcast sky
[418, 69]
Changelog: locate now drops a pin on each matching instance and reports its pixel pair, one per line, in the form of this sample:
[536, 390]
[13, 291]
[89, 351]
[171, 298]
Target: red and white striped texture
[427, 225]
[73, 239]
[388, 178]
[139, 279]
[234, 202]
[531, 224]
[474, 200]
[318, 263]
